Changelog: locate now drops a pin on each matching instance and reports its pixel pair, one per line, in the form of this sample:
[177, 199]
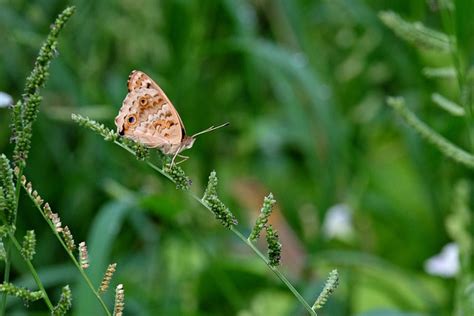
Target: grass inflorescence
[211, 201]
[24, 114]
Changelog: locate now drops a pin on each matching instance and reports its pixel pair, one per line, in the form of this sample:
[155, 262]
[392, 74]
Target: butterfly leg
[174, 157]
[184, 158]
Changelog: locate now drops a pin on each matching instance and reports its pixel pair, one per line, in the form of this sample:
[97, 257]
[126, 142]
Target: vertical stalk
[6, 273]
[33, 273]
[74, 260]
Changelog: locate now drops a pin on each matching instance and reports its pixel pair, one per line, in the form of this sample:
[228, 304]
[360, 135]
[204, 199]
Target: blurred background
[303, 84]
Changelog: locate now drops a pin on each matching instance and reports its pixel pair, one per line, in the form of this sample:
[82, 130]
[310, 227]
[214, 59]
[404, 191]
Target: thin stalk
[448, 23]
[275, 270]
[32, 271]
[18, 186]
[73, 258]
[466, 99]
[151, 165]
[6, 273]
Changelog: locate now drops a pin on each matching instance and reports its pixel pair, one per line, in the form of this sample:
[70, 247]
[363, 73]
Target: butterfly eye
[131, 119]
[143, 101]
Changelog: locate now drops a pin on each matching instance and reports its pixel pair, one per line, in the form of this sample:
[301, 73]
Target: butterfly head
[187, 142]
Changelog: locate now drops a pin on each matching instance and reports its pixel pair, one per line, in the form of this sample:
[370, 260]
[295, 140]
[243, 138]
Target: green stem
[17, 192]
[151, 165]
[32, 271]
[461, 75]
[73, 258]
[6, 273]
[6, 276]
[275, 270]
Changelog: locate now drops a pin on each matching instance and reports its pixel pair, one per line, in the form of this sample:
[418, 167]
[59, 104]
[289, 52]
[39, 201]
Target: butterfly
[147, 116]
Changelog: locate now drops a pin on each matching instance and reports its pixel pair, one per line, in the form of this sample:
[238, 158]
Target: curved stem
[73, 258]
[236, 232]
[275, 270]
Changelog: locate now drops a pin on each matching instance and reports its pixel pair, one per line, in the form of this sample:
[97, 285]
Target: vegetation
[356, 115]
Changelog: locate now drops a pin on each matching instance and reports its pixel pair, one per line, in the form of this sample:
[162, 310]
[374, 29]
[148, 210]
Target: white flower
[5, 100]
[446, 263]
[338, 222]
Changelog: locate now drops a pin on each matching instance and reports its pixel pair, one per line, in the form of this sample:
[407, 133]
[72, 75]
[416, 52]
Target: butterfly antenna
[210, 129]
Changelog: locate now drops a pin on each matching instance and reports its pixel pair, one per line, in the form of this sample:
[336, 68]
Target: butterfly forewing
[139, 80]
[147, 116]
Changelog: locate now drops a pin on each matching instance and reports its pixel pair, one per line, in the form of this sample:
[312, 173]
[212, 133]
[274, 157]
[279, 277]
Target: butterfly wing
[147, 116]
[140, 80]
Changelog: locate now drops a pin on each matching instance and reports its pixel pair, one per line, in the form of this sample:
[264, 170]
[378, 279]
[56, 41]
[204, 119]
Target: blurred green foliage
[303, 84]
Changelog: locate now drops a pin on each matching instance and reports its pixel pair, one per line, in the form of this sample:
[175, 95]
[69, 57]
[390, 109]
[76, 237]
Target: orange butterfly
[147, 116]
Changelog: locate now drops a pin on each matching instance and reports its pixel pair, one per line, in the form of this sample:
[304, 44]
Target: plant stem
[6, 276]
[462, 75]
[151, 165]
[73, 258]
[32, 271]
[6, 273]
[275, 270]
[17, 245]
